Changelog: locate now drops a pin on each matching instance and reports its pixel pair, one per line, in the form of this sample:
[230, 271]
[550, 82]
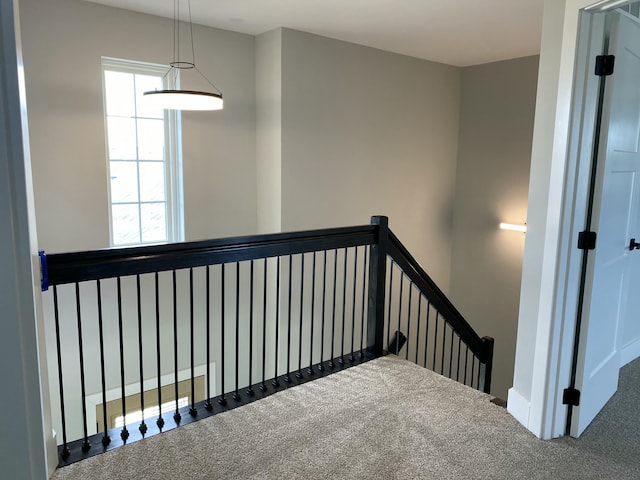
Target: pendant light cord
[208, 81]
[176, 29]
[193, 50]
[177, 64]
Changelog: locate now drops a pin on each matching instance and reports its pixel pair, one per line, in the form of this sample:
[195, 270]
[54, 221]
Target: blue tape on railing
[44, 271]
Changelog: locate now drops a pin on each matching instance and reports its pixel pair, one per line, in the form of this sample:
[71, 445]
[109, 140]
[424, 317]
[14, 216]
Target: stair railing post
[487, 366]
[377, 283]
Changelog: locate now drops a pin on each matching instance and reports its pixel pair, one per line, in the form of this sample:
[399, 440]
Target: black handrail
[107, 263]
[410, 266]
[82, 266]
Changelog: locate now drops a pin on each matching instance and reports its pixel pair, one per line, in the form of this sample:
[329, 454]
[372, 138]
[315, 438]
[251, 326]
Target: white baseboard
[51, 445]
[630, 352]
[95, 399]
[518, 407]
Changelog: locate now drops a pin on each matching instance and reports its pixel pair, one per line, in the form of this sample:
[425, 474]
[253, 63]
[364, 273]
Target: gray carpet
[615, 432]
[386, 419]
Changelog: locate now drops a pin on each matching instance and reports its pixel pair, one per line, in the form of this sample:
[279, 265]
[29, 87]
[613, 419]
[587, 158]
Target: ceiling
[455, 32]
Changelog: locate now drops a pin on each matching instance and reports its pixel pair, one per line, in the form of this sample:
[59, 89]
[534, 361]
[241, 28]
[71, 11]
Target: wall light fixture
[514, 227]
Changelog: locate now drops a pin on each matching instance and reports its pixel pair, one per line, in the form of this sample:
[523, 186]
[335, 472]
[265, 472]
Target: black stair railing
[153, 337]
[438, 325]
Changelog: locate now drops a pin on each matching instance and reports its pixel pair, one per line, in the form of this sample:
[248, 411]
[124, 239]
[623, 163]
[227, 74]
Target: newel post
[487, 366]
[377, 282]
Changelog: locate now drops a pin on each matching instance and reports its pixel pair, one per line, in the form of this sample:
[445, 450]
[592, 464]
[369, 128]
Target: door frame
[29, 446]
[584, 152]
[573, 33]
[600, 159]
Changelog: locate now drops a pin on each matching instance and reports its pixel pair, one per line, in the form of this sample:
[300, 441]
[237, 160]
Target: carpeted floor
[386, 419]
[615, 432]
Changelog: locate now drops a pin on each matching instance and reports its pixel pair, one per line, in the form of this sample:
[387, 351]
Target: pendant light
[178, 99]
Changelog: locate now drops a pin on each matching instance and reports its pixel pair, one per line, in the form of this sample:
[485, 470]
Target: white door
[608, 299]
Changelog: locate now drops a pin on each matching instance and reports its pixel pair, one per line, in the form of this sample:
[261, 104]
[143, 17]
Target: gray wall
[63, 42]
[496, 129]
[269, 130]
[368, 132]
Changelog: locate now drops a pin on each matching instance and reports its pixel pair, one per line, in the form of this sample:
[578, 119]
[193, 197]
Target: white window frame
[173, 150]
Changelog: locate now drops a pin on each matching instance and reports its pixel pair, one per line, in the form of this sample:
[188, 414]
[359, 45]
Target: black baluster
[160, 421]
[275, 381]
[250, 391]
[397, 352]
[176, 415]
[143, 425]
[222, 400]
[105, 436]
[466, 361]
[435, 341]
[207, 404]
[124, 434]
[390, 301]
[458, 367]
[287, 378]
[444, 342]
[324, 303]
[344, 307]
[451, 355]
[263, 386]
[353, 303]
[236, 394]
[418, 326]
[426, 334]
[313, 313]
[364, 289]
[333, 310]
[473, 367]
[65, 449]
[406, 353]
[192, 411]
[85, 444]
[299, 372]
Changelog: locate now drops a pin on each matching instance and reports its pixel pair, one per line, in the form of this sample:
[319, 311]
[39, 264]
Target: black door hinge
[604, 65]
[587, 240]
[571, 396]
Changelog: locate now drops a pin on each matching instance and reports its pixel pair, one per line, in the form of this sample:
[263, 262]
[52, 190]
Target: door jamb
[595, 27]
[591, 33]
[563, 134]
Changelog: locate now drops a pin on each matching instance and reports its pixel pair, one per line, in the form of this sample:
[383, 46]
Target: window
[138, 415]
[134, 415]
[143, 156]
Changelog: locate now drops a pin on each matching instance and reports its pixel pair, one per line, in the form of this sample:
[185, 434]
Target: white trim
[174, 202]
[545, 337]
[175, 184]
[538, 333]
[580, 146]
[28, 450]
[95, 399]
[606, 5]
[518, 406]
[630, 352]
